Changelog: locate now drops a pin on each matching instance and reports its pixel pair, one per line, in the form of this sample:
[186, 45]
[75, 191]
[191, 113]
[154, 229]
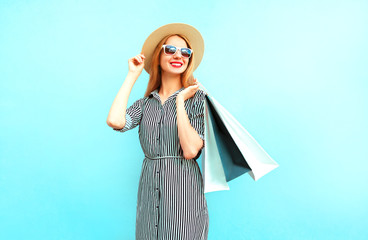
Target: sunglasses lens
[186, 52]
[170, 49]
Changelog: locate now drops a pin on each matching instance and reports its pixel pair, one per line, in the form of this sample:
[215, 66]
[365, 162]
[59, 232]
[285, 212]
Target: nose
[177, 53]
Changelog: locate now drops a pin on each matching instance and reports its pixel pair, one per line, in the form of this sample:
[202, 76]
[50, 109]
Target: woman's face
[167, 62]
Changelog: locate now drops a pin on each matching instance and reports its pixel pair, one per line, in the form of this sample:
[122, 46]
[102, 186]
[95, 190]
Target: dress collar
[156, 95]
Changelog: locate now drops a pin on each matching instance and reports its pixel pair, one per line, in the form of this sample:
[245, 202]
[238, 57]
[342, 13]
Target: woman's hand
[189, 92]
[136, 64]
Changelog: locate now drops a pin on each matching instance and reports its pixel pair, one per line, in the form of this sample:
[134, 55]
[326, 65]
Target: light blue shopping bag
[230, 151]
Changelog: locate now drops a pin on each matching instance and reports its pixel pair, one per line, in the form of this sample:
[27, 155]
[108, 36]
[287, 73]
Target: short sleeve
[196, 117]
[133, 116]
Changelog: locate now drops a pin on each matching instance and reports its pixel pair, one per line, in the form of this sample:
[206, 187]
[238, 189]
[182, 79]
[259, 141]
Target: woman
[171, 203]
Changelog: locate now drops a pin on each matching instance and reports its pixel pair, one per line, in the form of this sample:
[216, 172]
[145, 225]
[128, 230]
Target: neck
[170, 83]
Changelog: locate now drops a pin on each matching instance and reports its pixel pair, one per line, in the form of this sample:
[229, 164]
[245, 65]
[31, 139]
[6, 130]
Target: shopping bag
[229, 151]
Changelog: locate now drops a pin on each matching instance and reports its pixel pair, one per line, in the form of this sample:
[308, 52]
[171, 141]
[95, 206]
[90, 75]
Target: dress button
[157, 171]
[156, 189]
[156, 206]
[156, 225]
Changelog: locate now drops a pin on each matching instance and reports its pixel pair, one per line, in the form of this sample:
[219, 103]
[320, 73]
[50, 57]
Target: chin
[170, 70]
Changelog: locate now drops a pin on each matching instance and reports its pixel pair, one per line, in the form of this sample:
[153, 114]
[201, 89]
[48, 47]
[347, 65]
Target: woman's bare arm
[116, 117]
[189, 139]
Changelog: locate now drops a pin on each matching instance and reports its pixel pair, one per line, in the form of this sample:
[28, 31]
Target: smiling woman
[171, 203]
[173, 63]
[161, 60]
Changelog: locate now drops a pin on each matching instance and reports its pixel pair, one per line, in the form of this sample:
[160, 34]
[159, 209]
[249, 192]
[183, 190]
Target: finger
[142, 55]
[136, 61]
[139, 58]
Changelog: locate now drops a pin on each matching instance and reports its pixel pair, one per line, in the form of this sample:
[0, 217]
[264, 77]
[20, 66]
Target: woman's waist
[158, 157]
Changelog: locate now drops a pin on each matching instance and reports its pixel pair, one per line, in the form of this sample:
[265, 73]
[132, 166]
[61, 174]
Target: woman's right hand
[136, 63]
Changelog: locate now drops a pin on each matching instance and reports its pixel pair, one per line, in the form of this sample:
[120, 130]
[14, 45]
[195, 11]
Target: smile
[176, 64]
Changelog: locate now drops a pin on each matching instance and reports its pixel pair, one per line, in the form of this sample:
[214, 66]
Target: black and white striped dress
[171, 203]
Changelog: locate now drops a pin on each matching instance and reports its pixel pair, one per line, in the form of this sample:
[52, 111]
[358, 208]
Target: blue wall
[293, 73]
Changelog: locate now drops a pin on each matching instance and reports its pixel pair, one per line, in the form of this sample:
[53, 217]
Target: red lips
[181, 64]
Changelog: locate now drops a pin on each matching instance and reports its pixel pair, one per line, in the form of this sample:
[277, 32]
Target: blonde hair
[155, 70]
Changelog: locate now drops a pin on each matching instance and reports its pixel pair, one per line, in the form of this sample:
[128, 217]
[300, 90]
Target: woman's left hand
[189, 92]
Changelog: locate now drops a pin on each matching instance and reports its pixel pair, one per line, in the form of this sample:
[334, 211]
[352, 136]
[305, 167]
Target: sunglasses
[171, 50]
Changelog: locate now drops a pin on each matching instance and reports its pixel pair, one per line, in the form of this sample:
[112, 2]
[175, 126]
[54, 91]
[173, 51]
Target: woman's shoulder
[200, 94]
[140, 101]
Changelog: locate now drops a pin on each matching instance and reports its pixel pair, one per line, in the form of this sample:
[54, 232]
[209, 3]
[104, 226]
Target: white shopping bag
[230, 151]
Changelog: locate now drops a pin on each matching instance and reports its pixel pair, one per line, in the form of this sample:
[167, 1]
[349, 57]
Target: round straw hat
[191, 33]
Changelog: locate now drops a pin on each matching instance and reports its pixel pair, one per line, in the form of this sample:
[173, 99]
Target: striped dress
[171, 203]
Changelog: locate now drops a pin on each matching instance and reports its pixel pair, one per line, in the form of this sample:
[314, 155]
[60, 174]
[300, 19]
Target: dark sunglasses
[171, 50]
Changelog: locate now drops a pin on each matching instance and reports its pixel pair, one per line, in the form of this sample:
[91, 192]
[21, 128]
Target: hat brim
[190, 32]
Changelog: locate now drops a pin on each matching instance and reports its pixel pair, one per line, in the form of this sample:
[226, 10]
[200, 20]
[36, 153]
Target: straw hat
[193, 35]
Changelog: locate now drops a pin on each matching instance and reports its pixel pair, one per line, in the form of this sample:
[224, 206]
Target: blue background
[293, 73]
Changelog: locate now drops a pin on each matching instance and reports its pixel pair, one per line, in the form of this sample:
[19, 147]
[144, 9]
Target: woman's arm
[116, 118]
[189, 138]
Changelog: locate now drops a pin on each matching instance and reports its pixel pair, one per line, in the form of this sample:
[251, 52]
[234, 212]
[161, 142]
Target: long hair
[155, 71]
